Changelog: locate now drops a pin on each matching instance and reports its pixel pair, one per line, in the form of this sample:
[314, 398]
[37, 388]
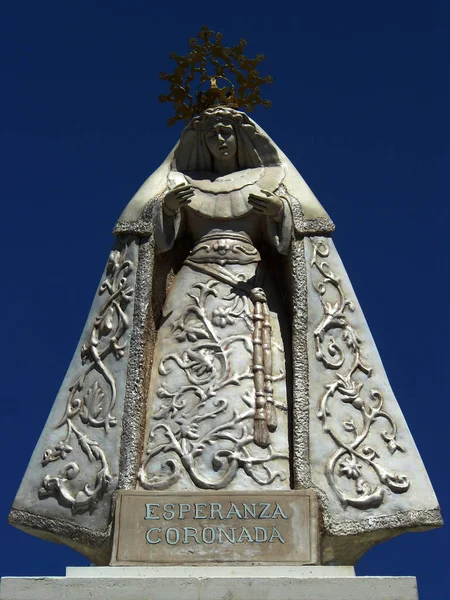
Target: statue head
[221, 140]
[220, 133]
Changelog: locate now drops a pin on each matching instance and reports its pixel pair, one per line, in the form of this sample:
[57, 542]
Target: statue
[225, 350]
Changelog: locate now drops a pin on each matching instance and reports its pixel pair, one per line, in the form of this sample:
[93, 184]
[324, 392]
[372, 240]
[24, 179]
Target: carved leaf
[349, 425]
[106, 323]
[93, 402]
[351, 338]
[86, 445]
[393, 446]
[330, 308]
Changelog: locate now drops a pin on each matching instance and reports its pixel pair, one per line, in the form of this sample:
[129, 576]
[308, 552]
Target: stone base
[209, 583]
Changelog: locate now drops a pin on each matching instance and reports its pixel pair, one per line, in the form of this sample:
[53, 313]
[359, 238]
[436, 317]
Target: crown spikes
[209, 60]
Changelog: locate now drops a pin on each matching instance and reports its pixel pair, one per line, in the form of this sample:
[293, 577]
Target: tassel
[261, 433]
[271, 416]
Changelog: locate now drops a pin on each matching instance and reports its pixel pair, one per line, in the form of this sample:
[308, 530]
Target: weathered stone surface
[66, 492]
[362, 455]
[185, 528]
[221, 571]
[210, 583]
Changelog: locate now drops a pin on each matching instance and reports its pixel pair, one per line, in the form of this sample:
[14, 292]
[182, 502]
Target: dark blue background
[360, 105]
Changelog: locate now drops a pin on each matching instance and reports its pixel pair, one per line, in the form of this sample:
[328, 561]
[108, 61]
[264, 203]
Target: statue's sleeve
[166, 227]
[280, 234]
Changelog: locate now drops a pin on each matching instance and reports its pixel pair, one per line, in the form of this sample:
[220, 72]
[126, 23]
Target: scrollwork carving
[351, 459]
[222, 251]
[207, 433]
[93, 394]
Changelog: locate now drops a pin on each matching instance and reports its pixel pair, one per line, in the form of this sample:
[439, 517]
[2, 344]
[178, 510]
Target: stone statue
[225, 350]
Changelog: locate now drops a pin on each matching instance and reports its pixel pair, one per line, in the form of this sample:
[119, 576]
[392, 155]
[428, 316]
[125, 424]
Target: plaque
[168, 528]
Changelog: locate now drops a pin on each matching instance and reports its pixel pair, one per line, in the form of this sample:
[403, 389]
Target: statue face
[221, 140]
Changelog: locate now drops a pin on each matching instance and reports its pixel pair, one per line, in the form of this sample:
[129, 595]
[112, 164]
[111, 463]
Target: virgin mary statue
[225, 350]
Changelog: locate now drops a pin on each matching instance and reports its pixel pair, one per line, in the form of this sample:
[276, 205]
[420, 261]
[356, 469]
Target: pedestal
[209, 583]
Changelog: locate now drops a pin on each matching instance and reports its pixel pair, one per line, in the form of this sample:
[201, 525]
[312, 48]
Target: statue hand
[176, 198]
[267, 204]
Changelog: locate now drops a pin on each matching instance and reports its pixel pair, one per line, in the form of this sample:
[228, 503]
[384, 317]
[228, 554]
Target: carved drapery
[93, 394]
[201, 429]
[204, 405]
[338, 347]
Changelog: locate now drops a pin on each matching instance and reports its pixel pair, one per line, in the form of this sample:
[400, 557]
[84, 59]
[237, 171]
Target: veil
[255, 149]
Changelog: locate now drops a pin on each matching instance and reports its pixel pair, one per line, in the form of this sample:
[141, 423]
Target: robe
[340, 430]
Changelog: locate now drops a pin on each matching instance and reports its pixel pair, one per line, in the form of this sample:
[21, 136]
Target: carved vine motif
[222, 251]
[211, 456]
[351, 459]
[92, 404]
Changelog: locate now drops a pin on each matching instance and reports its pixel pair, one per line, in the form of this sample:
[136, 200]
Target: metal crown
[210, 55]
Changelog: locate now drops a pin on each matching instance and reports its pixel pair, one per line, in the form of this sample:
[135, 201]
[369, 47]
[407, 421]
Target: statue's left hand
[268, 204]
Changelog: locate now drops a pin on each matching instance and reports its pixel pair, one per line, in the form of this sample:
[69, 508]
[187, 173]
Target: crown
[208, 54]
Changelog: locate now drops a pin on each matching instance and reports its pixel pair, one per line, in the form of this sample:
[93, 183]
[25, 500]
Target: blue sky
[360, 105]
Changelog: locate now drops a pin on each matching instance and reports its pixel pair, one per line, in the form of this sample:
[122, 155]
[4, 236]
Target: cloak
[349, 439]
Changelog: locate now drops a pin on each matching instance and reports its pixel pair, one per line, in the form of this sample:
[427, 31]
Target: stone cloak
[350, 442]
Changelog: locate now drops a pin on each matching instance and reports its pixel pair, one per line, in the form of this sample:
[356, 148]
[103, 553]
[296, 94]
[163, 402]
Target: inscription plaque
[188, 528]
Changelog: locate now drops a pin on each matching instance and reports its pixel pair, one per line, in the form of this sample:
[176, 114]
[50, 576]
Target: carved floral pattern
[179, 424]
[224, 251]
[351, 459]
[93, 394]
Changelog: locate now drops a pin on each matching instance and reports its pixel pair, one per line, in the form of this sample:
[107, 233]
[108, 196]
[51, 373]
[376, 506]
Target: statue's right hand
[176, 198]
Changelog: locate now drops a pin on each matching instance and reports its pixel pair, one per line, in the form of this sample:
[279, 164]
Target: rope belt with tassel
[265, 419]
